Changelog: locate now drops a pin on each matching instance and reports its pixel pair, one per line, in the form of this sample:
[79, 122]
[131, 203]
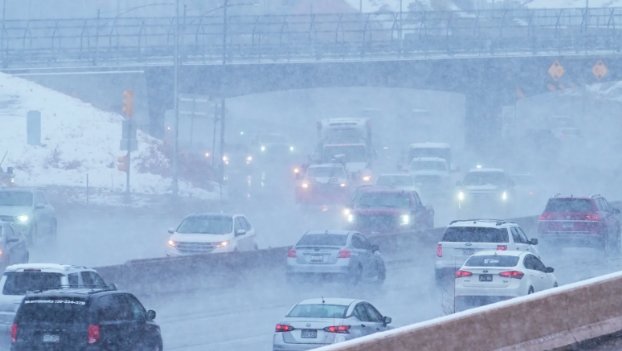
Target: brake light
[463, 274]
[341, 329]
[281, 328]
[592, 217]
[291, 253]
[93, 333]
[512, 274]
[545, 216]
[439, 250]
[344, 253]
[14, 332]
[502, 247]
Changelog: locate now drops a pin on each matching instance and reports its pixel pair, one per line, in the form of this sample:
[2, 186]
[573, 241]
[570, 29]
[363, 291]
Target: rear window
[19, 283]
[492, 261]
[323, 240]
[570, 205]
[476, 235]
[53, 309]
[318, 311]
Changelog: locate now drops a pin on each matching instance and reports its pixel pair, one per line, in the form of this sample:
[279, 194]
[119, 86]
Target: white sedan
[491, 276]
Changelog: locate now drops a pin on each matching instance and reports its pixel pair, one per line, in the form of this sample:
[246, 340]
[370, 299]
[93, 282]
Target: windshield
[53, 309]
[379, 199]
[318, 311]
[206, 225]
[570, 205]
[19, 283]
[396, 180]
[326, 172]
[343, 134]
[440, 152]
[417, 165]
[476, 235]
[346, 153]
[485, 178]
[323, 240]
[15, 198]
[492, 261]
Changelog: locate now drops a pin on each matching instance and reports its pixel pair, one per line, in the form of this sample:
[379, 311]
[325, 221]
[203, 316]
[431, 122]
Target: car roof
[403, 174]
[326, 165]
[73, 292]
[47, 267]
[212, 214]
[501, 253]
[572, 197]
[435, 159]
[334, 232]
[382, 189]
[430, 145]
[488, 223]
[486, 170]
[343, 144]
[329, 301]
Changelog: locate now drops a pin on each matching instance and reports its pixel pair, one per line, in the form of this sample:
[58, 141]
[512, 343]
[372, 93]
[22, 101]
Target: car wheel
[555, 285]
[151, 346]
[530, 291]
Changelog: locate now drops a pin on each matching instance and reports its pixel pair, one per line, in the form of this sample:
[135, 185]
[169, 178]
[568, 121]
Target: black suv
[84, 319]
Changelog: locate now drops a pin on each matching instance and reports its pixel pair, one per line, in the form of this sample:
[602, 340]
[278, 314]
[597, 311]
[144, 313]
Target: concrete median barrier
[552, 319]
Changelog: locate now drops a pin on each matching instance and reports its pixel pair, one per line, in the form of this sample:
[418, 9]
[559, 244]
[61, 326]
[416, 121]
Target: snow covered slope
[77, 140]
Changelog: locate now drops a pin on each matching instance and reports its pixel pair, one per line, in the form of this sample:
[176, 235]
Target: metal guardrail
[144, 41]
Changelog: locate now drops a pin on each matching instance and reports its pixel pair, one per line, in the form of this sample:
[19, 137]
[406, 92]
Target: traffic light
[128, 103]
[122, 163]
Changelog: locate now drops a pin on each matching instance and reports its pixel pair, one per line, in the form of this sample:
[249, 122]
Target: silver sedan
[345, 255]
[316, 322]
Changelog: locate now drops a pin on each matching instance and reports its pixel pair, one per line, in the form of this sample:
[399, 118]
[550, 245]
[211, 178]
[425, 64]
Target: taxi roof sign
[556, 70]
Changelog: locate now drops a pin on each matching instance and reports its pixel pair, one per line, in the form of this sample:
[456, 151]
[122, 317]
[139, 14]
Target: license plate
[468, 252]
[317, 258]
[485, 277]
[308, 333]
[51, 338]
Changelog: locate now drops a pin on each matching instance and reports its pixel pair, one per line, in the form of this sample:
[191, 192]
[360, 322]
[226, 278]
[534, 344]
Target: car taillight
[592, 217]
[439, 250]
[344, 253]
[512, 274]
[341, 329]
[544, 216]
[281, 328]
[291, 252]
[14, 332]
[502, 247]
[93, 333]
[463, 274]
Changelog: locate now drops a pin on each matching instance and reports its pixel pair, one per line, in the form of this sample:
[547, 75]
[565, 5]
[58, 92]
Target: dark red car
[580, 221]
[379, 210]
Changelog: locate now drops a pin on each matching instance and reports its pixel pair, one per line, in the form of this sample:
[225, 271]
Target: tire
[151, 346]
[530, 291]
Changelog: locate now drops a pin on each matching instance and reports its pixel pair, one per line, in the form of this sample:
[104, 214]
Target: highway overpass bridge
[492, 57]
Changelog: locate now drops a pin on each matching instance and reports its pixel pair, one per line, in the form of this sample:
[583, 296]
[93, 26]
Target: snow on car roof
[434, 159]
[328, 301]
[52, 267]
[488, 223]
[326, 165]
[486, 170]
[500, 253]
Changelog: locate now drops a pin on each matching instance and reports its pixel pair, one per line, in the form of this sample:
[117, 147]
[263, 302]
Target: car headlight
[343, 185]
[504, 196]
[461, 196]
[405, 219]
[350, 218]
[249, 159]
[347, 212]
[225, 159]
[222, 244]
[292, 148]
[23, 219]
[262, 148]
[367, 178]
[304, 185]
[172, 243]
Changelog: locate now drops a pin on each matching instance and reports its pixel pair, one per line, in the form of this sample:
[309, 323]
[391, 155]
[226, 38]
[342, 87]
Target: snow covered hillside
[76, 140]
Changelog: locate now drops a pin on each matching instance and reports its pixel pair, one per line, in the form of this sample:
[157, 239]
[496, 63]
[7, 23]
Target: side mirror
[239, 232]
[112, 286]
[387, 320]
[533, 241]
[375, 248]
[151, 314]
[171, 230]
[549, 269]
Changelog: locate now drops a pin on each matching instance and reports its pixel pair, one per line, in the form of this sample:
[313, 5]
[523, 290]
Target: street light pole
[223, 107]
[176, 104]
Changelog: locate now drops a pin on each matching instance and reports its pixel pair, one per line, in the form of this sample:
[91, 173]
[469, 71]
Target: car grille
[7, 218]
[376, 222]
[190, 247]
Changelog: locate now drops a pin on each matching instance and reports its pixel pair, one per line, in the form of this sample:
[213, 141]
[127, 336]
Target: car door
[546, 279]
[529, 247]
[362, 327]
[376, 320]
[14, 246]
[417, 210]
[115, 320]
[532, 273]
[520, 242]
[250, 233]
[141, 334]
[610, 216]
[361, 252]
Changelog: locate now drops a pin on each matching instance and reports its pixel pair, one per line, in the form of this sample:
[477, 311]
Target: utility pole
[176, 104]
[223, 106]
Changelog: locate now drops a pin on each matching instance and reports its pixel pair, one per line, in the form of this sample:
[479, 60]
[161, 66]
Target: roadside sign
[556, 70]
[600, 70]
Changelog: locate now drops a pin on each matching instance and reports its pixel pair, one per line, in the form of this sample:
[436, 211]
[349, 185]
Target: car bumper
[318, 269]
[174, 252]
